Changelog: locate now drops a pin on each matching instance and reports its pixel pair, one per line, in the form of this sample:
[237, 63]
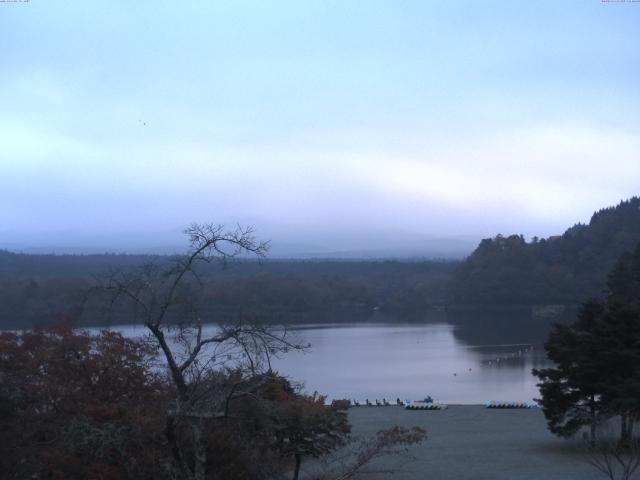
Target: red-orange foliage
[302, 425]
[73, 405]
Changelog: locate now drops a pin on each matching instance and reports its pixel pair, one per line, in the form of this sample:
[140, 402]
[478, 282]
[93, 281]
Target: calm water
[467, 359]
[410, 361]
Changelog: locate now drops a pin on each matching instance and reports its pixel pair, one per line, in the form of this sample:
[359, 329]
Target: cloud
[447, 118]
[549, 170]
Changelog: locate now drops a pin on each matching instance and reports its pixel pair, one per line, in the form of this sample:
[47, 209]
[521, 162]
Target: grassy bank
[475, 443]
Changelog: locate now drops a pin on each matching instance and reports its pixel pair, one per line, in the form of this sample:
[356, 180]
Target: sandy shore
[476, 443]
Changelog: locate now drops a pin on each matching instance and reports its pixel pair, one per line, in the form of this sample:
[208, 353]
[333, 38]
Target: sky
[378, 127]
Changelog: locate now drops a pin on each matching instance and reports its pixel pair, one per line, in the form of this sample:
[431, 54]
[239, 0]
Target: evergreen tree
[618, 333]
[597, 371]
[571, 390]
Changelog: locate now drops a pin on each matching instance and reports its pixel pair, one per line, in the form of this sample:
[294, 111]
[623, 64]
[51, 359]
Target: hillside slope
[564, 269]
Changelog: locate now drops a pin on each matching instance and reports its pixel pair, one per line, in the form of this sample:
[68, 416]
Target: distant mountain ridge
[564, 269]
[406, 247]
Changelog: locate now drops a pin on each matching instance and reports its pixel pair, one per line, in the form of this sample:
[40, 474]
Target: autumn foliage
[75, 405]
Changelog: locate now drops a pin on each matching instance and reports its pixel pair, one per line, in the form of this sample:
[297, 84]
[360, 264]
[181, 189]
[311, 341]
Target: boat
[423, 405]
[502, 404]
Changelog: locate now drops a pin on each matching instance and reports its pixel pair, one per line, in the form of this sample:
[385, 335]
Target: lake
[410, 361]
[466, 358]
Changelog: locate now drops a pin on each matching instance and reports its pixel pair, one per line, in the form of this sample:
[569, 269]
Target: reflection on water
[454, 363]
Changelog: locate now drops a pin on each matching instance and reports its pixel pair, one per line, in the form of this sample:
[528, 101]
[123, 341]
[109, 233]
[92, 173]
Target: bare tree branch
[162, 298]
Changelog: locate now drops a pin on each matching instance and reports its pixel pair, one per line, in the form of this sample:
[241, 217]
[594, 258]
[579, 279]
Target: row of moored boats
[429, 404]
[497, 404]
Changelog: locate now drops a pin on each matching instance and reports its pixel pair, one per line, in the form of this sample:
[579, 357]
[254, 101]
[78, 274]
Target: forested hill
[563, 269]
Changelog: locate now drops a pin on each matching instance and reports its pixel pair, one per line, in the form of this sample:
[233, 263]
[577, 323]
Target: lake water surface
[410, 361]
[468, 358]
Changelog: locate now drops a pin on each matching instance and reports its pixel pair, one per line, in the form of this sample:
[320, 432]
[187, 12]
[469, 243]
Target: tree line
[50, 288]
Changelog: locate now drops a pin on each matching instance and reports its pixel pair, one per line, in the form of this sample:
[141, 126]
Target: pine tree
[571, 390]
[597, 371]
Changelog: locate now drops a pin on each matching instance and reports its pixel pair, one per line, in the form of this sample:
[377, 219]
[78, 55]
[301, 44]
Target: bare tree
[164, 299]
[356, 459]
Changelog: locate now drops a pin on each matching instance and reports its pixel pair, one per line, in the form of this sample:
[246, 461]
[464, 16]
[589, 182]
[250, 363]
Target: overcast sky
[328, 125]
